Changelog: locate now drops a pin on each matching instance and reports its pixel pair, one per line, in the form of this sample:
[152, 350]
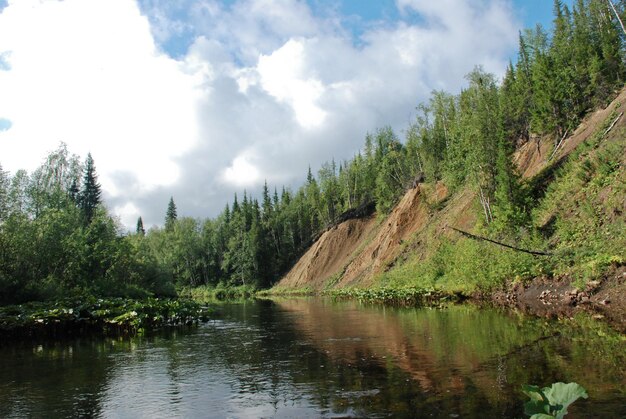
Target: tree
[90, 193]
[140, 230]
[170, 215]
[18, 200]
[329, 193]
[607, 68]
[480, 124]
[4, 194]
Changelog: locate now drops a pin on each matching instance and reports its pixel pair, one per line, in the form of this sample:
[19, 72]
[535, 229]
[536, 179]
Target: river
[309, 357]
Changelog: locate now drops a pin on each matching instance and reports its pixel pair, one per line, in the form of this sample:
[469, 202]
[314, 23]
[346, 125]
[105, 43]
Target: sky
[201, 99]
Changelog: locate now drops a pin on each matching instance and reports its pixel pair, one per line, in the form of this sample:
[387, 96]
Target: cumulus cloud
[261, 89]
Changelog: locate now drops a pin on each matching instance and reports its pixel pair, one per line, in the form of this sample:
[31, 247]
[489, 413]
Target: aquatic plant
[107, 316]
[551, 402]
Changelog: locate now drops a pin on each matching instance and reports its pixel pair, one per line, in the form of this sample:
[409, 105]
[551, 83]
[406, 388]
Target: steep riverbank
[577, 207]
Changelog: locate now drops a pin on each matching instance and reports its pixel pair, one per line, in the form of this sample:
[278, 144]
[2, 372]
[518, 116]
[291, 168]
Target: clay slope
[327, 257]
[534, 156]
[356, 251]
[410, 215]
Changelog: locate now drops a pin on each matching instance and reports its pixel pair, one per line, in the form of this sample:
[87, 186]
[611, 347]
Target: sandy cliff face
[410, 215]
[356, 251]
[353, 252]
[328, 256]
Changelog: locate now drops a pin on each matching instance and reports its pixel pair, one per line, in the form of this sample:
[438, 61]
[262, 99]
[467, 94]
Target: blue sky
[357, 16]
[199, 99]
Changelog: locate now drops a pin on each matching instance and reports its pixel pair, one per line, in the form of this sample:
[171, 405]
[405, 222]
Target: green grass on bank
[577, 214]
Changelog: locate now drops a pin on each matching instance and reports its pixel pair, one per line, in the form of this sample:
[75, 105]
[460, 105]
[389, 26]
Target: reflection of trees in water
[461, 359]
[318, 357]
[54, 379]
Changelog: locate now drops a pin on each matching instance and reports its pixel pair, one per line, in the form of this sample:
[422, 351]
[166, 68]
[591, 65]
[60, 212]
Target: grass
[577, 214]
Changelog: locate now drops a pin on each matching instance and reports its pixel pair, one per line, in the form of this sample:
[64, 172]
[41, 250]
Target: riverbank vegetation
[113, 316]
[58, 239]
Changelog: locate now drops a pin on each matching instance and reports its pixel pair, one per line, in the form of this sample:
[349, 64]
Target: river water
[297, 358]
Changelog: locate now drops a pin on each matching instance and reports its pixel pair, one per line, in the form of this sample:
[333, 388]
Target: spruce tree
[140, 230]
[170, 215]
[267, 204]
[89, 197]
[74, 192]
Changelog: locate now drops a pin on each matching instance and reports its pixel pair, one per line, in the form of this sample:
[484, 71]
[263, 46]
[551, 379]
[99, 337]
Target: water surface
[319, 358]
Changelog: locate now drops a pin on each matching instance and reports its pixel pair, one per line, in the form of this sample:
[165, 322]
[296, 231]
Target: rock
[592, 284]
[584, 299]
[605, 301]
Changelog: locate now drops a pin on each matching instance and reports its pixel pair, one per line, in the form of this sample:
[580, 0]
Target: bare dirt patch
[411, 214]
[328, 256]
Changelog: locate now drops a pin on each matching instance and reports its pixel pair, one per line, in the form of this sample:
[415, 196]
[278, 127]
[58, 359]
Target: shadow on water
[312, 357]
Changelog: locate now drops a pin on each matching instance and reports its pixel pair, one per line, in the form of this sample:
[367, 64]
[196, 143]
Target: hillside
[404, 248]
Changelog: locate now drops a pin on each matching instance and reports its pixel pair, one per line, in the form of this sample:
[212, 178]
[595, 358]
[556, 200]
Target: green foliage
[89, 197]
[412, 296]
[55, 238]
[171, 215]
[581, 207]
[140, 230]
[466, 266]
[109, 316]
[553, 401]
[55, 241]
[219, 293]
[464, 139]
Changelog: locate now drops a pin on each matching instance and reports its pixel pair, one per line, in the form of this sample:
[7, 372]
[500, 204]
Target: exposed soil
[556, 298]
[535, 155]
[411, 214]
[327, 257]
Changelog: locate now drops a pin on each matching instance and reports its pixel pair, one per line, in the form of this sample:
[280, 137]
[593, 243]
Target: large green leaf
[551, 402]
[562, 395]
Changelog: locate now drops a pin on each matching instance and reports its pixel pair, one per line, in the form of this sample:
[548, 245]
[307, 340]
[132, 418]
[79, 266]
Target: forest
[58, 239]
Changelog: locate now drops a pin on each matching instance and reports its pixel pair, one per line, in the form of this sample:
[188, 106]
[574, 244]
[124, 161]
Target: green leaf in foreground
[551, 402]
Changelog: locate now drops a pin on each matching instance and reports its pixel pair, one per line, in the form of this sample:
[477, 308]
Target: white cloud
[265, 89]
[127, 213]
[241, 173]
[88, 73]
[282, 74]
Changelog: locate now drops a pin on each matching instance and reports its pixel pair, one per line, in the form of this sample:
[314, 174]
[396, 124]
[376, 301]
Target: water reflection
[317, 358]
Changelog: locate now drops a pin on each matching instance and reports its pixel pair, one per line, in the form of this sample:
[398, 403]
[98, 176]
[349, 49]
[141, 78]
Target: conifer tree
[140, 230]
[74, 192]
[267, 204]
[89, 197]
[171, 215]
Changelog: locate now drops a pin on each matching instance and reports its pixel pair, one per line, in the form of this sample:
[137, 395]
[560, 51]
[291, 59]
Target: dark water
[318, 358]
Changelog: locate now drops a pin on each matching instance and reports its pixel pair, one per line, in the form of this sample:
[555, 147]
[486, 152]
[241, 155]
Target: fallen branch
[475, 237]
[613, 124]
[558, 145]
